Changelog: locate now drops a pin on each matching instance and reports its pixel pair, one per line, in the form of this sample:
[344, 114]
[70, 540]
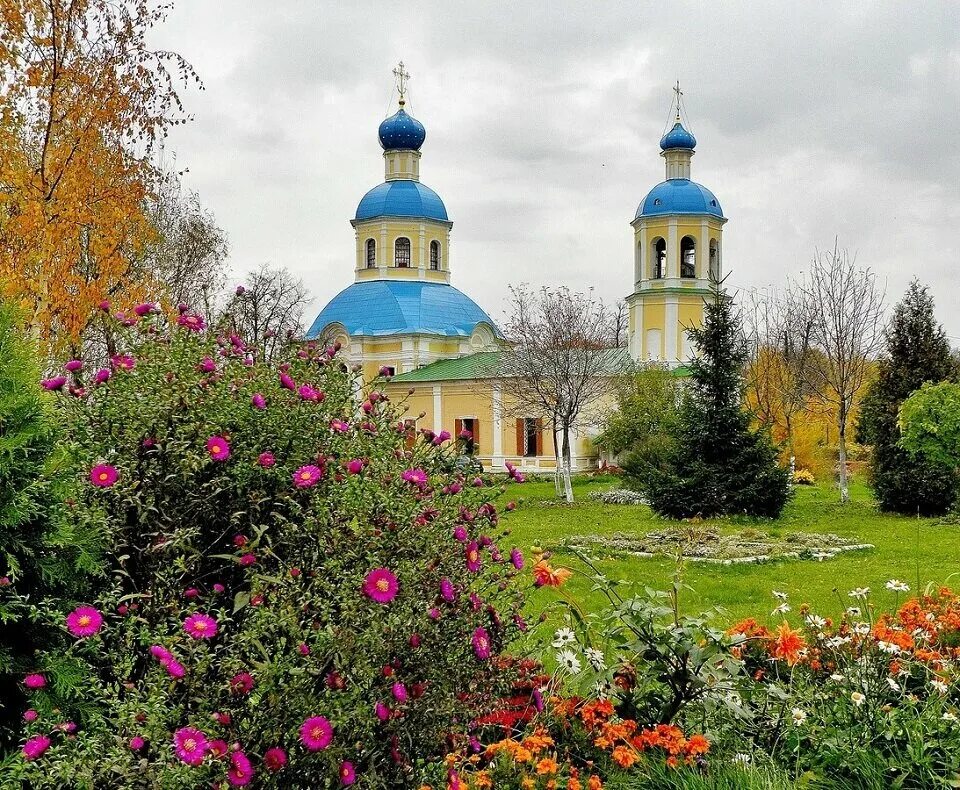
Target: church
[437, 350]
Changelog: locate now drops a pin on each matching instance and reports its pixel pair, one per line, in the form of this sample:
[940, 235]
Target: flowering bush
[291, 594]
[803, 477]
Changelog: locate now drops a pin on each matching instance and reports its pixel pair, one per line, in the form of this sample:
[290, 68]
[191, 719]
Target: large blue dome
[395, 307]
[401, 131]
[678, 137]
[679, 196]
[402, 198]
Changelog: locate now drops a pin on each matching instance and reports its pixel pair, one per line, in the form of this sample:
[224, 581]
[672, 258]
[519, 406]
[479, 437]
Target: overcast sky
[813, 120]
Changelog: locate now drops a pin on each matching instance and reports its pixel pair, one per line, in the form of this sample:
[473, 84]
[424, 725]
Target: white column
[673, 250]
[437, 408]
[383, 259]
[497, 460]
[642, 265]
[672, 321]
[703, 252]
[636, 336]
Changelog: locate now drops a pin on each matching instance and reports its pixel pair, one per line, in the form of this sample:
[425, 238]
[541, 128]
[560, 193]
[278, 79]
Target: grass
[917, 551]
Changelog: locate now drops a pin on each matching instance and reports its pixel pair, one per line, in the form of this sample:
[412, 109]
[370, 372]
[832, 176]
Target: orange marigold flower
[596, 712]
[787, 644]
[547, 766]
[537, 742]
[545, 576]
[624, 756]
[697, 744]
[482, 781]
[672, 762]
[594, 783]
[528, 783]
[573, 783]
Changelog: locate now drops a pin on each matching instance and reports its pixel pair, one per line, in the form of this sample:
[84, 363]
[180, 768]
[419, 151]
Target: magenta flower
[73, 365]
[144, 309]
[241, 770]
[207, 365]
[175, 669]
[161, 653]
[84, 621]
[200, 626]
[481, 644]
[218, 588]
[433, 613]
[516, 557]
[35, 681]
[248, 559]
[266, 459]
[258, 401]
[441, 437]
[123, 362]
[460, 533]
[102, 376]
[287, 383]
[472, 554]
[382, 711]
[219, 448]
[54, 384]
[190, 745]
[399, 692]
[304, 649]
[274, 758]
[136, 743]
[339, 426]
[316, 733]
[415, 477]
[241, 683]
[103, 475]
[30, 715]
[447, 591]
[354, 466]
[218, 748]
[348, 774]
[35, 747]
[381, 585]
[308, 393]
[307, 476]
[191, 321]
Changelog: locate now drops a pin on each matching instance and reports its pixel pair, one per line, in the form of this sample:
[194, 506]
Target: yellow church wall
[385, 233]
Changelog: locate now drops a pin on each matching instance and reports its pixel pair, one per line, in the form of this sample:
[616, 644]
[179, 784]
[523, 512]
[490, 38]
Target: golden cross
[402, 76]
[676, 90]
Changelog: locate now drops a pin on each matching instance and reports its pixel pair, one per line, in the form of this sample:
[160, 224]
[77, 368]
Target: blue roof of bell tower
[401, 131]
[678, 137]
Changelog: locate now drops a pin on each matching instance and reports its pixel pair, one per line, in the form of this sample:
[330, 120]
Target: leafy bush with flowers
[292, 597]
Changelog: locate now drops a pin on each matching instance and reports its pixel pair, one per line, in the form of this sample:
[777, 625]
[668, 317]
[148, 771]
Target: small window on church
[658, 269]
[435, 255]
[688, 257]
[713, 202]
[401, 254]
[657, 202]
[371, 254]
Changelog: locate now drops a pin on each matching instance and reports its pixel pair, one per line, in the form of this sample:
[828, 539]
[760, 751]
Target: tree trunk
[567, 485]
[844, 490]
[558, 464]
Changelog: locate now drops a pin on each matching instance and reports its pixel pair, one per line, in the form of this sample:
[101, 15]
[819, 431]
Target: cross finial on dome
[676, 90]
[401, 75]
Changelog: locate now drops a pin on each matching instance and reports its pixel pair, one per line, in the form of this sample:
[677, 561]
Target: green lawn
[906, 548]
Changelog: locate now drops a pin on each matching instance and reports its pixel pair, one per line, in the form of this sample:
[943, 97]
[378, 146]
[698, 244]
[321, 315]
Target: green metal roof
[486, 365]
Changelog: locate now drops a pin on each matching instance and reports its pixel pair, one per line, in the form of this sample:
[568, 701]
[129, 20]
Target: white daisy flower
[780, 596]
[816, 621]
[859, 592]
[741, 758]
[799, 716]
[837, 677]
[940, 686]
[853, 611]
[568, 661]
[898, 586]
[596, 659]
[857, 698]
[564, 637]
[837, 641]
[893, 684]
[888, 647]
[948, 716]
[781, 609]
[861, 629]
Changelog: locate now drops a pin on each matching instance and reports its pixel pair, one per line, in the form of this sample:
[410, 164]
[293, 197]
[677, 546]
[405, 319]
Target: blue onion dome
[677, 137]
[401, 131]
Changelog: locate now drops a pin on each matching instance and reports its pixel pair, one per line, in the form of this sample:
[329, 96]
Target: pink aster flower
[103, 475]
[381, 585]
[308, 393]
[415, 477]
[316, 733]
[35, 681]
[354, 466]
[35, 747]
[54, 384]
[73, 365]
[123, 362]
[241, 683]
[447, 591]
[84, 621]
[241, 770]
[248, 559]
[102, 376]
[219, 448]
[161, 653]
[266, 459]
[175, 669]
[287, 383]
[304, 649]
[307, 476]
[460, 533]
[381, 711]
[200, 626]
[191, 321]
[441, 437]
[207, 365]
[30, 715]
[472, 554]
[136, 743]
[339, 426]
[190, 745]
[218, 748]
[274, 758]
[399, 692]
[516, 557]
[481, 644]
[144, 309]
[348, 774]
[258, 401]
[218, 588]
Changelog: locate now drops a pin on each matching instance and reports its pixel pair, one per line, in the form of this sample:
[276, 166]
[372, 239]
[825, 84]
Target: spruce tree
[917, 351]
[718, 464]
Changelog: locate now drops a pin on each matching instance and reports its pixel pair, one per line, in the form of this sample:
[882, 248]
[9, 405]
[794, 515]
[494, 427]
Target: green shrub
[277, 555]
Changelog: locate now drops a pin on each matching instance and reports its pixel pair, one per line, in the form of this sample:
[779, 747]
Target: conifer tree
[718, 464]
[917, 351]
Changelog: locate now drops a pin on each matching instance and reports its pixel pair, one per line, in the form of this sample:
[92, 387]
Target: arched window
[714, 261]
[658, 267]
[371, 254]
[688, 257]
[435, 255]
[401, 253]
